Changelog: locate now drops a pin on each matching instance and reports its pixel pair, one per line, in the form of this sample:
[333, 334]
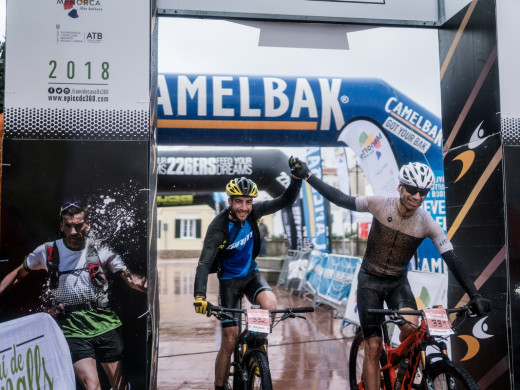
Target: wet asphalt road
[303, 354]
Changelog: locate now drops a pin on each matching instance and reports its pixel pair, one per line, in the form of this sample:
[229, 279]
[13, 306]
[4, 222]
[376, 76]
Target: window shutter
[198, 232]
[177, 228]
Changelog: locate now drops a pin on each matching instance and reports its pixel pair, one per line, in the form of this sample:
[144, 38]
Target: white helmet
[417, 174]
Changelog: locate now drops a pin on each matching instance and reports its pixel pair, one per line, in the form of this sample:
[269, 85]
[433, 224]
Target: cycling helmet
[416, 174]
[242, 187]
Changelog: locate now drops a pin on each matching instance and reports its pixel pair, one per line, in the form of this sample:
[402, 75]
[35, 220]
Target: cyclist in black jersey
[399, 226]
[231, 245]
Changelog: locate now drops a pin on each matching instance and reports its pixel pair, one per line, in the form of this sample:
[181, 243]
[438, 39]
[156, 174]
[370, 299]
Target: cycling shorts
[373, 291]
[105, 348]
[231, 292]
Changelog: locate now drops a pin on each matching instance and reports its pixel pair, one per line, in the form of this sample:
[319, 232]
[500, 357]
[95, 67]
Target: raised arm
[286, 199]
[13, 278]
[299, 169]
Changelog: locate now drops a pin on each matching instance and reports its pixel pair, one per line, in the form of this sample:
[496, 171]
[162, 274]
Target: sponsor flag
[375, 154]
[343, 177]
[314, 205]
[220, 199]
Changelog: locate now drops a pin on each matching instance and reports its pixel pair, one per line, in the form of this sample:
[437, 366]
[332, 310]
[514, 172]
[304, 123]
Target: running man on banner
[78, 271]
[399, 226]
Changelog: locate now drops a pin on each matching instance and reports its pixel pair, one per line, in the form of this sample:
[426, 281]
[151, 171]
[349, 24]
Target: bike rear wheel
[355, 363]
[447, 375]
[258, 373]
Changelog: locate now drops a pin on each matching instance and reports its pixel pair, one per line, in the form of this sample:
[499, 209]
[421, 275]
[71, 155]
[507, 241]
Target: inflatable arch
[384, 127]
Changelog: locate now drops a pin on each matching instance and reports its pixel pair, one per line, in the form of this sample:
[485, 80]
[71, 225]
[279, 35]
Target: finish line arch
[384, 127]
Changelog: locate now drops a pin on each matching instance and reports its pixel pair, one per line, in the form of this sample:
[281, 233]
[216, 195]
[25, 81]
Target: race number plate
[438, 322]
[258, 321]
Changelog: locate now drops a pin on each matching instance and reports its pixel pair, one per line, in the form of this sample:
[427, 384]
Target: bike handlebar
[388, 312]
[276, 311]
[309, 309]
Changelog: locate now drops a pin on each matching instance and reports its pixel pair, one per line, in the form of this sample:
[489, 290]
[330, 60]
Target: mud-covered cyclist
[399, 226]
[231, 244]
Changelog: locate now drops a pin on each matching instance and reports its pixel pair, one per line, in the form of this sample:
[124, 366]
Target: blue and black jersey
[238, 255]
[233, 249]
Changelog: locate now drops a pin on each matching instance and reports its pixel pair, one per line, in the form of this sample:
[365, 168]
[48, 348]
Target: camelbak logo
[414, 121]
[212, 99]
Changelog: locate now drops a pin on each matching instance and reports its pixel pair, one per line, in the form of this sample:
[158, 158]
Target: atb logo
[94, 37]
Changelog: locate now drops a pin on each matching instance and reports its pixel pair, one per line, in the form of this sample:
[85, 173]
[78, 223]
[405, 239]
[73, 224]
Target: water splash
[118, 220]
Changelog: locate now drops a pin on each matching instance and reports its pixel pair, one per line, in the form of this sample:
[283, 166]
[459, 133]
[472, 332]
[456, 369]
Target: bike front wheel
[447, 375]
[258, 373]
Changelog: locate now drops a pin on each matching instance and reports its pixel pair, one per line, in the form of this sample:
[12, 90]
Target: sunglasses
[414, 190]
[68, 205]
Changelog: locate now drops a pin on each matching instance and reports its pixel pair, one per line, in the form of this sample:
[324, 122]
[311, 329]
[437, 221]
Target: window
[187, 228]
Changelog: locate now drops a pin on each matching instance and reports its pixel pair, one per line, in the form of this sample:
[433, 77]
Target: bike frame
[413, 348]
[246, 343]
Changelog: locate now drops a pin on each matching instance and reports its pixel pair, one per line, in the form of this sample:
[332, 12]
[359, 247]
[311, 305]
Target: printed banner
[78, 88]
[375, 153]
[315, 270]
[351, 312]
[343, 178]
[338, 273]
[314, 205]
[75, 69]
[34, 355]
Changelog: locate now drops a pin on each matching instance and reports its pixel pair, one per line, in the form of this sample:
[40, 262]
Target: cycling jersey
[219, 247]
[239, 253]
[393, 239]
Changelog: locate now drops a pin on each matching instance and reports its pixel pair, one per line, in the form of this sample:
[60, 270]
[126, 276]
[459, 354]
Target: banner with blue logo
[314, 205]
[338, 273]
[315, 270]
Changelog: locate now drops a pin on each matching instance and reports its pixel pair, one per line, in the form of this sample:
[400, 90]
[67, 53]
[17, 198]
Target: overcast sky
[406, 58]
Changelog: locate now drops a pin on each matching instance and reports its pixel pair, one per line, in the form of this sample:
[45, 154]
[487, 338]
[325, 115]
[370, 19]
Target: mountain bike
[421, 361]
[250, 361]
